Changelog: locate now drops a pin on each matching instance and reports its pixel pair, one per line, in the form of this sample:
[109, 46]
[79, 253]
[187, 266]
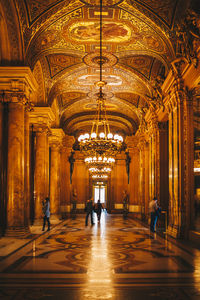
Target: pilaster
[181, 154]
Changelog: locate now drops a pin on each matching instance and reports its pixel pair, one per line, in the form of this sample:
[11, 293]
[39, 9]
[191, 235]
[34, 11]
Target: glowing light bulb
[93, 135]
[102, 135]
[110, 136]
[116, 137]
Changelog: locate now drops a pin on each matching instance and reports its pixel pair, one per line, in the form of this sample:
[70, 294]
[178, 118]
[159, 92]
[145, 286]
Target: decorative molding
[42, 116]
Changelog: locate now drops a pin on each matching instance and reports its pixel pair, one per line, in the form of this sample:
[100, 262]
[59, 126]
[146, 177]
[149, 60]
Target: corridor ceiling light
[99, 161]
[101, 141]
[103, 170]
[99, 176]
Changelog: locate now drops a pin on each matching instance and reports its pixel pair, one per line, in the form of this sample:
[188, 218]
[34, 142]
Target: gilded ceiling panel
[112, 32]
[164, 10]
[59, 62]
[141, 63]
[35, 8]
[144, 36]
[130, 97]
[71, 97]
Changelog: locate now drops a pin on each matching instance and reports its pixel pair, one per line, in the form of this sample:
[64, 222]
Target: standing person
[89, 211]
[125, 204]
[154, 210]
[46, 212]
[74, 202]
[98, 210]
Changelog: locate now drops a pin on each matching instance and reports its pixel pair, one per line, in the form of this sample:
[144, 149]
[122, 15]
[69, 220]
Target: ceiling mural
[68, 98]
[164, 10]
[112, 32]
[59, 62]
[63, 38]
[36, 8]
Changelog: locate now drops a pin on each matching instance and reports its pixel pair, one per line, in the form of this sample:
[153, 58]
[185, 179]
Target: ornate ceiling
[61, 41]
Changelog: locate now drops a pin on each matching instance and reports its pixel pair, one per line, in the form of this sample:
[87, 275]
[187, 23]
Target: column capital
[56, 137]
[42, 116]
[131, 141]
[68, 141]
[17, 84]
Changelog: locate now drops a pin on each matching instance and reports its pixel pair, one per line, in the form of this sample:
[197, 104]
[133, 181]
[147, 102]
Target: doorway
[100, 192]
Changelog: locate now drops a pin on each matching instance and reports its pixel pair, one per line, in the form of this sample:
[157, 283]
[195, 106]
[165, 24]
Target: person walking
[74, 203]
[154, 210]
[46, 212]
[98, 210]
[89, 207]
[125, 204]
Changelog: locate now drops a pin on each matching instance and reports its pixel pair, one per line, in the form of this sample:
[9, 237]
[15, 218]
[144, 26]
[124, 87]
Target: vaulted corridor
[114, 259]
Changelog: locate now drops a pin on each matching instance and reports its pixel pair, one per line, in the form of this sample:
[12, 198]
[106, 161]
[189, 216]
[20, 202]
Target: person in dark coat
[89, 211]
[46, 213]
[98, 209]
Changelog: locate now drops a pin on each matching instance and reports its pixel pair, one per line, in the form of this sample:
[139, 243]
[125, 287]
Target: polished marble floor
[115, 259]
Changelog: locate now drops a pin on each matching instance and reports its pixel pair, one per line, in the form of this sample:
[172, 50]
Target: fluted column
[181, 154]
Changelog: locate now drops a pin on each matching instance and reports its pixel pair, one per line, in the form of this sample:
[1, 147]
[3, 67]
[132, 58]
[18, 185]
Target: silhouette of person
[98, 210]
[89, 211]
[125, 204]
[46, 212]
[154, 210]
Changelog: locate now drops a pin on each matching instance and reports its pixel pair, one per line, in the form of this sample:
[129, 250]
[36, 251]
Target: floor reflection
[99, 275]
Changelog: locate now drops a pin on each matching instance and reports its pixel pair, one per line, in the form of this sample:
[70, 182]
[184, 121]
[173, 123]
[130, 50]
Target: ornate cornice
[56, 137]
[18, 85]
[42, 116]
[68, 141]
[18, 79]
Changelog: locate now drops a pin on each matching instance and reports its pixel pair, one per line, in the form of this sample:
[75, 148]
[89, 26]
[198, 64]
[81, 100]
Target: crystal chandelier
[101, 145]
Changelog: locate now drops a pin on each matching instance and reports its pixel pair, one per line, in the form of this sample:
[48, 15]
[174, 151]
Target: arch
[11, 46]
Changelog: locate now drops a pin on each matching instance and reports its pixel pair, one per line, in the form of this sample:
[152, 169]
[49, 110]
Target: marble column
[146, 180]
[2, 200]
[19, 90]
[41, 170]
[55, 180]
[180, 162]
[141, 146]
[65, 186]
[154, 159]
[15, 170]
[26, 167]
[133, 150]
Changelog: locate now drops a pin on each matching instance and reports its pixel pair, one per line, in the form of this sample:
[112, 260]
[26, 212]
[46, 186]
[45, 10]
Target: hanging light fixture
[101, 145]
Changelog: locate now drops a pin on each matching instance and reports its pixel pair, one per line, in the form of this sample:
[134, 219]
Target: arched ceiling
[63, 38]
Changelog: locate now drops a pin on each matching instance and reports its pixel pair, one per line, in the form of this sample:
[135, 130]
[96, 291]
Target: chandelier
[100, 146]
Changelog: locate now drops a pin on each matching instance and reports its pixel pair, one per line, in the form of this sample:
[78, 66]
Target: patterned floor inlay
[115, 259]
